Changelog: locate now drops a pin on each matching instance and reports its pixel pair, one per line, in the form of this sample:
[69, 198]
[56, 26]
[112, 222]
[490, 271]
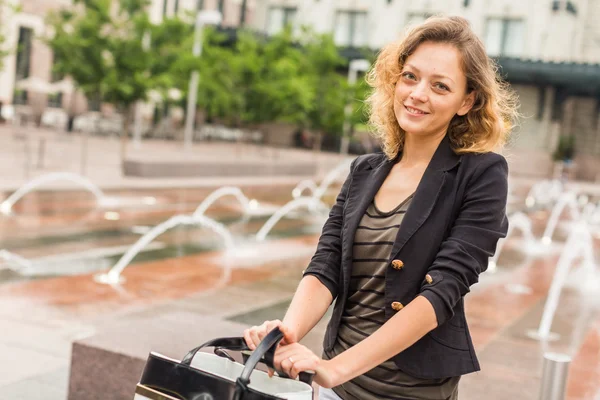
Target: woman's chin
[409, 126]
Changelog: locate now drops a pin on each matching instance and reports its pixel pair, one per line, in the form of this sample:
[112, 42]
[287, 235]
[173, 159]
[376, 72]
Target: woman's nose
[419, 93]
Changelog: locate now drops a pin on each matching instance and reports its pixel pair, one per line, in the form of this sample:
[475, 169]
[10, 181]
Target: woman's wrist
[336, 371]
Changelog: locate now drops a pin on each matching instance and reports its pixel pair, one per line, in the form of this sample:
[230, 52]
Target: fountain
[568, 199]
[318, 192]
[15, 259]
[595, 217]
[6, 206]
[544, 192]
[579, 244]
[113, 277]
[517, 221]
[305, 184]
[248, 205]
[312, 203]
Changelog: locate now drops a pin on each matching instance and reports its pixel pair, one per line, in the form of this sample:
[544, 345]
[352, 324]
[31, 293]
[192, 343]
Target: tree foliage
[6, 11]
[332, 90]
[3, 51]
[284, 78]
[298, 79]
[80, 43]
[111, 49]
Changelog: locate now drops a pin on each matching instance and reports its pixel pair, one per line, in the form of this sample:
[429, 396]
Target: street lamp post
[137, 123]
[203, 17]
[355, 67]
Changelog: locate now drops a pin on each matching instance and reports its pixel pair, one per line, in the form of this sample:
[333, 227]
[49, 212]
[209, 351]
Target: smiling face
[431, 90]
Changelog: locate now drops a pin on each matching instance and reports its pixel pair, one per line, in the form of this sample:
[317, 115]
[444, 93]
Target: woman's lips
[415, 111]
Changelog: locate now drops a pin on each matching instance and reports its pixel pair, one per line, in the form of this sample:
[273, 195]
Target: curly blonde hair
[494, 113]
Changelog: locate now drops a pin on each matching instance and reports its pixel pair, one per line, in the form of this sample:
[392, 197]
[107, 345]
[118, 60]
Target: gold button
[397, 264]
[429, 279]
[397, 306]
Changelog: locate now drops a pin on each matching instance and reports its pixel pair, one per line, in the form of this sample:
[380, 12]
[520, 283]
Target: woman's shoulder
[369, 160]
[482, 161]
[483, 166]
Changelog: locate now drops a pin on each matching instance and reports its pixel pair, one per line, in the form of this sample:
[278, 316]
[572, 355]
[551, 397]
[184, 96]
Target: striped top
[364, 314]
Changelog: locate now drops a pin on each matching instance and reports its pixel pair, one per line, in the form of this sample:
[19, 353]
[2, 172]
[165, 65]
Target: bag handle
[265, 353]
[269, 342]
[229, 343]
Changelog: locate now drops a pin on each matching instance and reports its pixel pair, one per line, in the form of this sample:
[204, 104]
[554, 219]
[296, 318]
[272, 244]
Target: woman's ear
[467, 103]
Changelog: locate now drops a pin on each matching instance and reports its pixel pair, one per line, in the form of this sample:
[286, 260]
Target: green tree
[254, 81]
[129, 60]
[331, 88]
[283, 90]
[171, 46]
[6, 11]
[79, 43]
[3, 51]
[217, 92]
[106, 47]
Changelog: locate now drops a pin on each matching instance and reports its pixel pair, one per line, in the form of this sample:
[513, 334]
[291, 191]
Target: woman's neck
[419, 150]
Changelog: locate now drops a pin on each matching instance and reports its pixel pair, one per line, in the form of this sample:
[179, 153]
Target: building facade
[509, 27]
[29, 57]
[548, 50]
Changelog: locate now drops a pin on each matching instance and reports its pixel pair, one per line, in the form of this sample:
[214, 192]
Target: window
[165, 4]
[566, 4]
[23, 63]
[221, 8]
[200, 5]
[505, 37]
[351, 28]
[279, 18]
[417, 18]
[176, 6]
[243, 11]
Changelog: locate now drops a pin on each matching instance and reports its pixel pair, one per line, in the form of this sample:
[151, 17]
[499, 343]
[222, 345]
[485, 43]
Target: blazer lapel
[365, 185]
[427, 194]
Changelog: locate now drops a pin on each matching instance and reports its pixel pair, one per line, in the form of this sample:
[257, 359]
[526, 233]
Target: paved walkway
[41, 317]
[28, 152]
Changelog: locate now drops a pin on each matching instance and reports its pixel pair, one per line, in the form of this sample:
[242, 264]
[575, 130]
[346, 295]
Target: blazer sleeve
[326, 262]
[472, 240]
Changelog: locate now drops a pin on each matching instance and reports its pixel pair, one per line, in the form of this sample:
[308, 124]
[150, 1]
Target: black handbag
[205, 376]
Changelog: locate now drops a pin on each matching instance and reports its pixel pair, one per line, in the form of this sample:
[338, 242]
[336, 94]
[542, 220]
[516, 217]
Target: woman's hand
[256, 334]
[295, 358]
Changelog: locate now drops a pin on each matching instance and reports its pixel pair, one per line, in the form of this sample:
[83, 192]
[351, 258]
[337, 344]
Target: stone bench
[197, 169]
[109, 364]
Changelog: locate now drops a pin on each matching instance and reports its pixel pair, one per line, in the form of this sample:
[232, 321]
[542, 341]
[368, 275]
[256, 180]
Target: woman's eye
[441, 86]
[409, 75]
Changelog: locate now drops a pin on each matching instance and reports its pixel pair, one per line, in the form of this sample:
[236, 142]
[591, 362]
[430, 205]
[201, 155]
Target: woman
[411, 229]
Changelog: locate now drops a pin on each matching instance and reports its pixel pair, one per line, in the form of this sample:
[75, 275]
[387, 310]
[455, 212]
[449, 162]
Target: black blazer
[447, 235]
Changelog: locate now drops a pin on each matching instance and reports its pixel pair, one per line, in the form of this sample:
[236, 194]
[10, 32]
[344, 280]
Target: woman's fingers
[307, 364]
[273, 324]
[295, 358]
[248, 339]
[253, 336]
[286, 366]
